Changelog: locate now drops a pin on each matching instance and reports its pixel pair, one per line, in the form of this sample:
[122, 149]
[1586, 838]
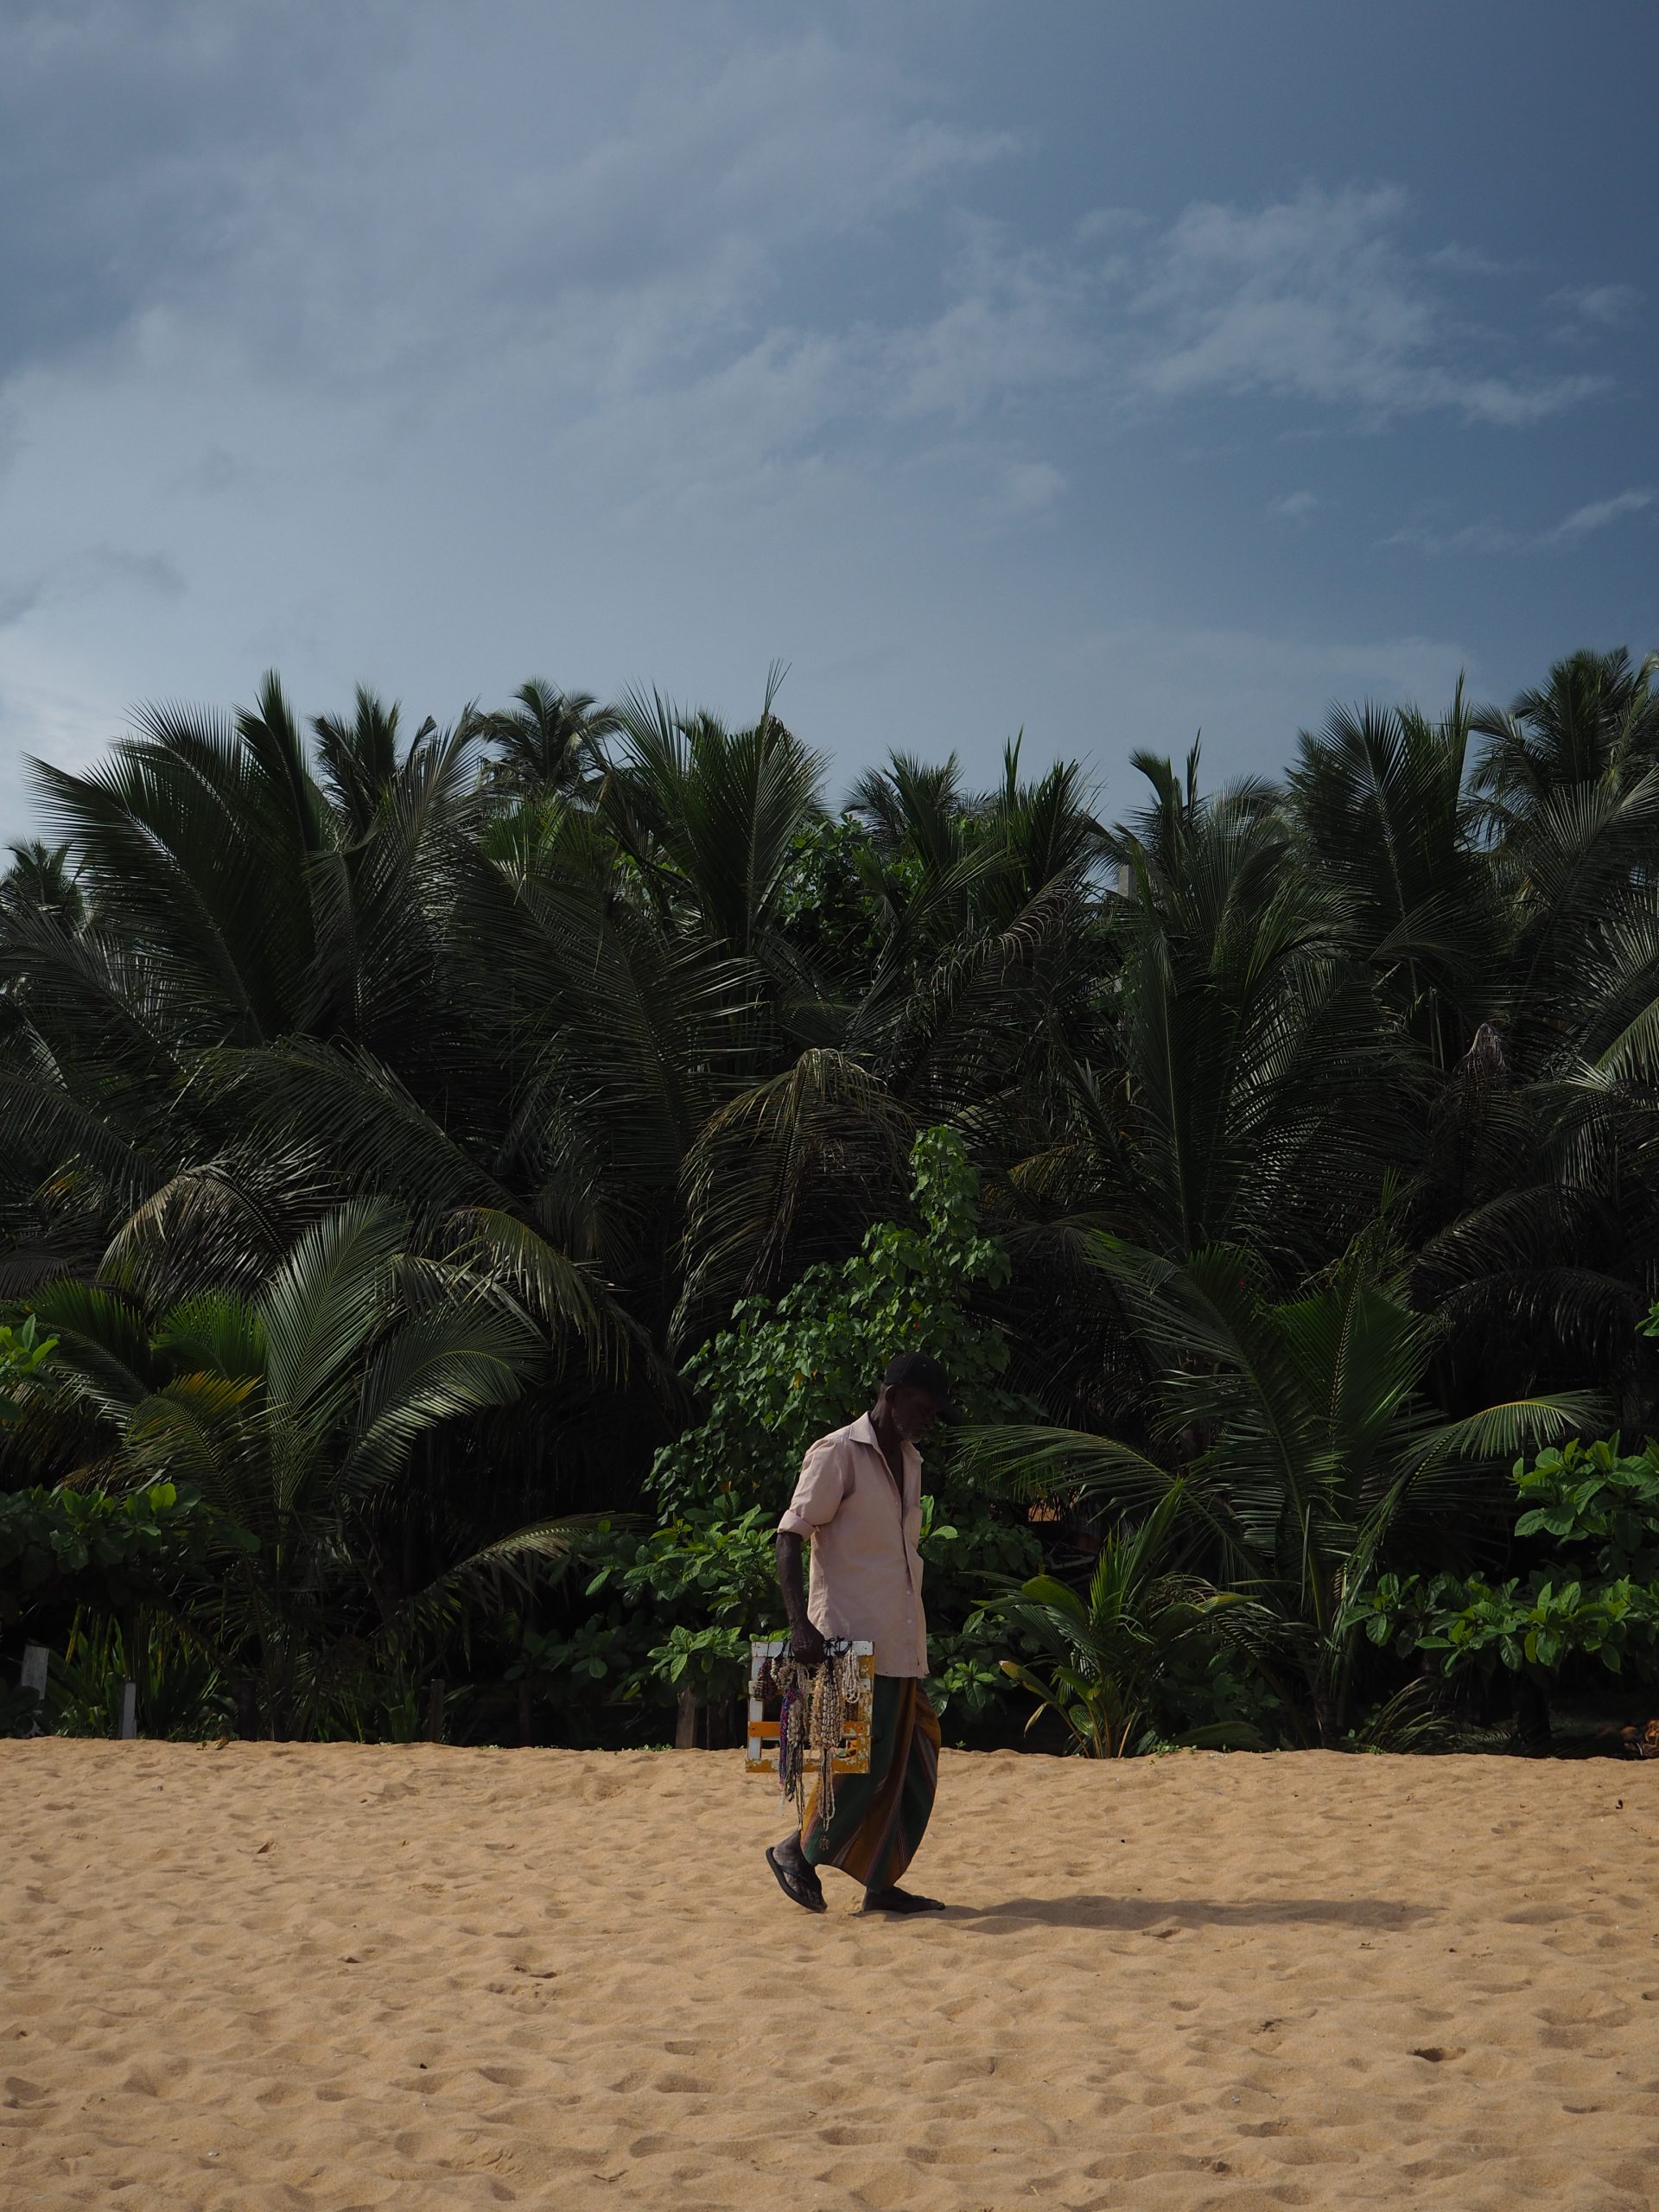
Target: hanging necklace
[815, 1704]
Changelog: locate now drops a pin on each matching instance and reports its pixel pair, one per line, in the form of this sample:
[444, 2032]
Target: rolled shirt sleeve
[818, 1491]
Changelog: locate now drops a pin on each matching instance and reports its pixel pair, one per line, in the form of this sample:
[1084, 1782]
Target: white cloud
[1318, 298]
[1312, 301]
[1293, 506]
[1496, 538]
[1014, 321]
[1029, 488]
[1608, 306]
[1470, 538]
[1599, 513]
[1463, 261]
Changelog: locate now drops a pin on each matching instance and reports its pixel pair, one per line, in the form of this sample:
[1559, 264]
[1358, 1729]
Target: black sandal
[808, 1895]
[897, 1900]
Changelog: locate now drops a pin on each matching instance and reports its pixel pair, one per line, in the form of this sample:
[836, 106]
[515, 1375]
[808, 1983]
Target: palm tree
[1111, 1647]
[549, 744]
[41, 880]
[301, 985]
[359, 759]
[233, 902]
[1594, 720]
[195, 839]
[293, 1414]
[1538, 1215]
[711, 816]
[967, 1001]
[1299, 1433]
[1382, 798]
[1249, 1090]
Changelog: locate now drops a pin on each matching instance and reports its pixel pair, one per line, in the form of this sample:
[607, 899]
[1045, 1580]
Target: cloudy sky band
[438, 345]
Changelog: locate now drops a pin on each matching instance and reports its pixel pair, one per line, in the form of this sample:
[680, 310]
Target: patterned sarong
[880, 1817]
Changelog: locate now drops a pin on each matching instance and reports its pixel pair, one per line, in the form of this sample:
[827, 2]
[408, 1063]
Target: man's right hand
[807, 1647]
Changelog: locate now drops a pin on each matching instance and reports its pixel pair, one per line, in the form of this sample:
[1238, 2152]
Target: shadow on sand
[1132, 1913]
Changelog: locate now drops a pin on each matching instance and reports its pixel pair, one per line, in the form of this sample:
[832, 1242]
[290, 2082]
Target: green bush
[711, 1580]
[790, 1370]
[23, 1352]
[675, 1607]
[111, 1548]
[1596, 1595]
[181, 1692]
[1109, 1653]
[1593, 1494]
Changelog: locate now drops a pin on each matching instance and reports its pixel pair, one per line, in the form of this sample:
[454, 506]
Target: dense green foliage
[473, 1163]
[1594, 1513]
[786, 1371]
[112, 1544]
[683, 1600]
[1117, 1649]
[1314, 1450]
[23, 1352]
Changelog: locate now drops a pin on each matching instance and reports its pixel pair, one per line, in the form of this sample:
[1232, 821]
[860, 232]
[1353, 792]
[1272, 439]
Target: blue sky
[1111, 370]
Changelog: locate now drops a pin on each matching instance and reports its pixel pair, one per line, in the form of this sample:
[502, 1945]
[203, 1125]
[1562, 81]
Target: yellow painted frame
[852, 1752]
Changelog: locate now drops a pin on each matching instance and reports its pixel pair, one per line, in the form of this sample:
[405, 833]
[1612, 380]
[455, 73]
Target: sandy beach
[338, 1977]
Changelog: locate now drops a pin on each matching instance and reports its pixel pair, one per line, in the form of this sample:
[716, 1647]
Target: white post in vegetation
[128, 1710]
[33, 1678]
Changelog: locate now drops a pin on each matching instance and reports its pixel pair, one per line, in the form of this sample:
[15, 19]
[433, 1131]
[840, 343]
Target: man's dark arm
[806, 1642]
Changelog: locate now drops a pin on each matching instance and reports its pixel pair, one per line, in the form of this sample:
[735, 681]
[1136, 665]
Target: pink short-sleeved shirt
[866, 1572]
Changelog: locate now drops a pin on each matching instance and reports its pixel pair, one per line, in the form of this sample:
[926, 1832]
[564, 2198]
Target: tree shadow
[1130, 1914]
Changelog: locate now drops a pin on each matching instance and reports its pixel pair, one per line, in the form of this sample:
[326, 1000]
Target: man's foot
[897, 1900]
[796, 1878]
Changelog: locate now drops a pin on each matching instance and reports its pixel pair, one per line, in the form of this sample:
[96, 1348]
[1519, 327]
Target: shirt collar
[864, 1432]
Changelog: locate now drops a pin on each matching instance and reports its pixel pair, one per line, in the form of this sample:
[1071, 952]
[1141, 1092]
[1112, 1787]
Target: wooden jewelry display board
[853, 1746]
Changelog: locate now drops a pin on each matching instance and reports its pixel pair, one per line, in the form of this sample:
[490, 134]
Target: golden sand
[340, 1976]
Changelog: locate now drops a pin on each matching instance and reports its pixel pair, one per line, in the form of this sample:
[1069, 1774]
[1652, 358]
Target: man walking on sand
[859, 1504]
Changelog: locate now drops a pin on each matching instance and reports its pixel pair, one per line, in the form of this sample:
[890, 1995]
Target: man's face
[914, 1411]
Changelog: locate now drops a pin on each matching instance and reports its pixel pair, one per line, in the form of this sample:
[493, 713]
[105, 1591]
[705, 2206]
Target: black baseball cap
[919, 1371]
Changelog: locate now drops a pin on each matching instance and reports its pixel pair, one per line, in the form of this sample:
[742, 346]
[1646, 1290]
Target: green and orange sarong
[880, 1817]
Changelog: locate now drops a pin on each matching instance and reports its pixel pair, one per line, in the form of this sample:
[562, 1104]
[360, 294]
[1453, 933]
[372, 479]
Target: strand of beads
[813, 1703]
